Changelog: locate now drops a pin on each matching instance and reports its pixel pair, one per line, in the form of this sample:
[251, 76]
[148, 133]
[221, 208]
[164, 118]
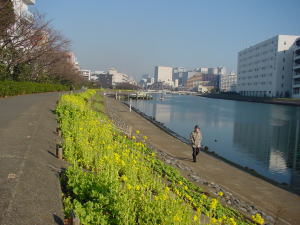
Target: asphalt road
[30, 191]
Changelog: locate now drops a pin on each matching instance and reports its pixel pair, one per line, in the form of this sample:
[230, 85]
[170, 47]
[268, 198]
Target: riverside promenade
[30, 191]
[276, 202]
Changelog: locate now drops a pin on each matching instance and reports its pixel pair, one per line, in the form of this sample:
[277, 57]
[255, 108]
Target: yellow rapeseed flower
[220, 193]
[213, 204]
[145, 137]
[176, 218]
[138, 187]
[186, 187]
[137, 132]
[214, 221]
[180, 183]
[195, 218]
[258, 219]
[133, 137]
[123, 178]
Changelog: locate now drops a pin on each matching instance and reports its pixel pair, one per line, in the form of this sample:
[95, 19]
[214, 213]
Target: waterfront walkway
[29, 185]
[273, 200]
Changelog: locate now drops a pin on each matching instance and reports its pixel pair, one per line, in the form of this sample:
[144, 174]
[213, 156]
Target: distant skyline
[134, 36]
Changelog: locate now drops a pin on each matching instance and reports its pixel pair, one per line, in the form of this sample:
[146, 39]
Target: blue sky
[136, 35]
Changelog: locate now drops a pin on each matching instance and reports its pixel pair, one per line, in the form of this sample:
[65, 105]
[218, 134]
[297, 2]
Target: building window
[283, 68]
[284, 43]
[283, 59]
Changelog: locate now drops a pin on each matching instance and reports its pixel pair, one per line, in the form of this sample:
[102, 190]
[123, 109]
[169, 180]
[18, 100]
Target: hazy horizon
[134, 36]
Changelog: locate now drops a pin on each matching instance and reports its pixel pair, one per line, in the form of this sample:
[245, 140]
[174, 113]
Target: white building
[213, 71]
[95, 75]
[86, 74]
[187, 75]
[118, 77]
[203, 70]
[21, 7]
[228, 82]
[163, 74]
[222, 70]
[296, 72]
[266, 68]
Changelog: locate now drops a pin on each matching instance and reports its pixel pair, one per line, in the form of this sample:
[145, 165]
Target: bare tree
[31, 50]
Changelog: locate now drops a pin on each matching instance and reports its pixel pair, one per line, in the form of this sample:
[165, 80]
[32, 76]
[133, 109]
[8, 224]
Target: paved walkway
[29, 185]
[271, 199]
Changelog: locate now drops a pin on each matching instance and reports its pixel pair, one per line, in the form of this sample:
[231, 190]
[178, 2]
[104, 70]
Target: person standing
[196, 138]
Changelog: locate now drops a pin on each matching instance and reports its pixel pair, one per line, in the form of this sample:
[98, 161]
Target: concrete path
[271, 199]
[29, 185]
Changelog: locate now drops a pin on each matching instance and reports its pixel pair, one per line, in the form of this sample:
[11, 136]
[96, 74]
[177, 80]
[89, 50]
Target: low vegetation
[10, 88]
[115, 179]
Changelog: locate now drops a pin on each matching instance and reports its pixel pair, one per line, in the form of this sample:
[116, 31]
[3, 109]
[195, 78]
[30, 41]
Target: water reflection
[260, 136]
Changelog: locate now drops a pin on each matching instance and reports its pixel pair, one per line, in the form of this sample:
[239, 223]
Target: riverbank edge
[212, 153]
[295, 103]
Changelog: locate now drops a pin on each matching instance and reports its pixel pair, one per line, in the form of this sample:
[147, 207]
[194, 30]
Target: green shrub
[10, 88]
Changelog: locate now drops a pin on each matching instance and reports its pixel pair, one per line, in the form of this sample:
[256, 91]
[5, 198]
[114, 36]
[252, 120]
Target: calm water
[263, 137]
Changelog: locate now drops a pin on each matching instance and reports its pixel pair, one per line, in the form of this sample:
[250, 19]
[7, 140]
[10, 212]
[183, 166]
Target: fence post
[130, 131]
[59, 151]
[75, 220]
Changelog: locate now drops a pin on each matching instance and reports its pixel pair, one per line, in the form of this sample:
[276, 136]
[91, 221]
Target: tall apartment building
[228, 82]
[163, 74]
[21, 7]
[266, 68]
[296, 70]
[86, 74]
[118, 77]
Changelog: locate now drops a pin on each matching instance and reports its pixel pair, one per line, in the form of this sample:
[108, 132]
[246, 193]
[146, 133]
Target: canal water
[263, 137]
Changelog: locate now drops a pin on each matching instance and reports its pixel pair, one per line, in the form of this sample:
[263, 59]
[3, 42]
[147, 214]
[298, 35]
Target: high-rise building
[163, 74]
[203, 70]
[296, 72]
[118, 77]
[213, 71]
[86, 74]
[266, 68]
[228, 82]
[187, 75]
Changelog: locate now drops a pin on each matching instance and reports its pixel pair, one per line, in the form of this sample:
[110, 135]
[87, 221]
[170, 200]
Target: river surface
[263, 137]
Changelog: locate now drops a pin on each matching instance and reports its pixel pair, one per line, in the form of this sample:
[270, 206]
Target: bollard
[58, 131]
[130, 131]
[74, 220]
[59, 151]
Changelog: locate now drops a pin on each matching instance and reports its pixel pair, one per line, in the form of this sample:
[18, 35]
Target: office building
[163, 74]
[296, 71]
[105, 80]
[203, 70]
[266, 68]
[95, 75]
[118, 77]
[203, 80]
[71, 58]
[228, 82]
[178, 73]
[86, 74]
[187, 75]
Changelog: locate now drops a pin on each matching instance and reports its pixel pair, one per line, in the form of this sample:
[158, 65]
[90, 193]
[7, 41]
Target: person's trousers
[195, 153]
